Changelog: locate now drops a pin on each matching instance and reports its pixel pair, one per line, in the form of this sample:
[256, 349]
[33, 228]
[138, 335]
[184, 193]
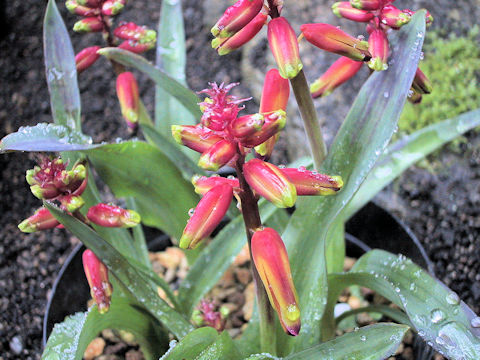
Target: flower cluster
[381, 16]
[206, 314]
[225, 138]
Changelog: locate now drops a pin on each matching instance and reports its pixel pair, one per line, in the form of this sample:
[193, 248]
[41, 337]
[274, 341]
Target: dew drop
[436, 316]
[452, 299]
[363, 338]
[191, 212]
[475, 322]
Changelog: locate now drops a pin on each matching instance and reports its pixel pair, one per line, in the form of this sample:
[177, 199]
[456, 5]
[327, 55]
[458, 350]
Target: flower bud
[75, 8]
[226, 45]
[127, 92]
[112, 7]
[267, 180]
[97, 277]
[207, 215]
[331, 38]
[112, 216]
[71, 203]
[367, 4]
[414, 96]
[90, 3]
[87, 25]
[204, 184]
[75, 180]
[131, 31]
[136, 47]
[284, 46]
[276, 91]
[394, 17]
[246, 125]
[421, 83]
[344, 9]
[312, 183]
[341, 71]
[274, 122]
[217, 155]
[236, 17]
[195, 137]
[378, 47]
[85, 58]
[271, 261]
[42, 219]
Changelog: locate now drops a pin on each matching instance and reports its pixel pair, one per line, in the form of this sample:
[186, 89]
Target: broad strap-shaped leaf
[435, 311]
[60, 69]
[172, 59]
[70, 338]
[132, 280]
[185, 96]
[142, 171]
[215, 259]
[406, 152]
[173, 152]
[46, 137]
[363, 136]
[371, 342]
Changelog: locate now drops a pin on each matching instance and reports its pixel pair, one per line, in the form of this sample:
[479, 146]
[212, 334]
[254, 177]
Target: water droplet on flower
[191, 212]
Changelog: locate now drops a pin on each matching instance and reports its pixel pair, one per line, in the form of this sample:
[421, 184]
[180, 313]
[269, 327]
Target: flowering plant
[297, 264]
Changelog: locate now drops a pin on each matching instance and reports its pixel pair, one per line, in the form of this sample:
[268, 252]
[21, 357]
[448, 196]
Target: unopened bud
[113, 7]
[195, 137]
[344, 9]
[367, 4]
[112, 216]
[207, 215]
[276, 91]
[284, 46]
[268, 181]
[136, 47]
[86, 58]
[97, 277]
[246, 125]
[236, 17]
[421, 83]
[204, 184]
[271, 261]
[90, 3]
[225, 46]
[378, 47]
[128, 96]
[75, 8]
[312, 183]
[131, 31]
[42, 219]
[341, 71]
[217, 155]
[394, 17]
[72, 203]
[331, 38]
[414, 96]
[274, 122]
[87, 25]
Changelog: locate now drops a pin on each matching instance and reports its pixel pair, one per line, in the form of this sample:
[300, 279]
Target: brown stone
[94, 349]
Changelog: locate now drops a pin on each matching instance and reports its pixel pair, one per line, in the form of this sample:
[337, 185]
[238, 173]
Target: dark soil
[442, 208]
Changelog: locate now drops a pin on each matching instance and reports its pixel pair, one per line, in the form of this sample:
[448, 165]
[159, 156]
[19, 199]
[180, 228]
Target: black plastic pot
[371, 227]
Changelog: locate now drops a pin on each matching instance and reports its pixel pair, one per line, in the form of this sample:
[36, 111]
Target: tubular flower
[345, 10]
[86, 58]
[393, 17]
[284, 46]
[367, 4]
[112, 216]
[341, 71]
[274, 122]
[75, 8]
[268, 181]
[207, 215]
[217, 155]
[236, 17]
[128, 96]
[89, 24]
[113, 7]
[271, 260]
[378, 46]
[331, 38]
[42, 219]
[421, 83]
[134, 32]
[312, 183]
[197, 137]
[97, 276]
[204, 184]
[246, 125]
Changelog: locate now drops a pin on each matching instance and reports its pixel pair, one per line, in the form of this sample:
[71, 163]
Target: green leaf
[192, 344]
[171, 58]
[362, 138]
[141, 171]
[173, 152]
[131, 279]
[371, 342]
[185, 96]
[215, 259]
[407, 151]
[61, 70]
[70, 338]
[46, 137]
[392, 313]
[435, 311]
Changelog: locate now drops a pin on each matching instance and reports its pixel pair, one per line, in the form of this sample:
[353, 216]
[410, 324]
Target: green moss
[453, 66]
